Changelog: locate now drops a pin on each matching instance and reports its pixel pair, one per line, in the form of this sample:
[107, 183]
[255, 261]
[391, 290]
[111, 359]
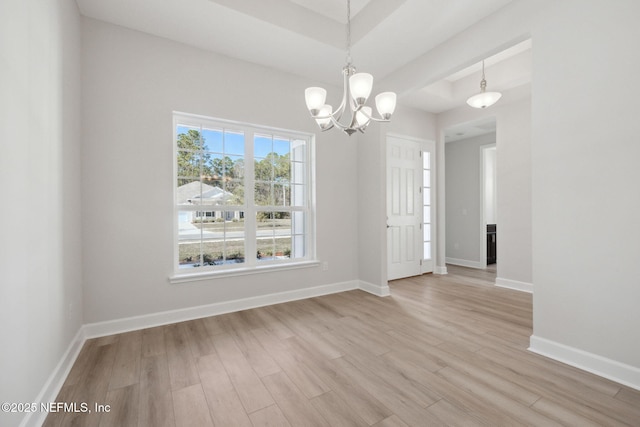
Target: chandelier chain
[348, 32]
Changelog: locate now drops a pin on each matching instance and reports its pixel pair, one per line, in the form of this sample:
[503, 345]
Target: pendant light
[483, 99]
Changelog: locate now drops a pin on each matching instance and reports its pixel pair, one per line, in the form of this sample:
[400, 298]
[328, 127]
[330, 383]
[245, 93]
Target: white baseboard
[93, 330]
[440, 269]
[514, 284]
[611, 369]
[378, 290]
[464, 262]
[55, 381]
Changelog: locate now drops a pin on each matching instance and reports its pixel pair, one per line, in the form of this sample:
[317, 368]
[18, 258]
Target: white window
[243, 196]
[426, 208]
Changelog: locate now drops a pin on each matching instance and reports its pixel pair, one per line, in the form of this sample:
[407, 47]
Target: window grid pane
[273, 234]
[426, 201]
[211, 172]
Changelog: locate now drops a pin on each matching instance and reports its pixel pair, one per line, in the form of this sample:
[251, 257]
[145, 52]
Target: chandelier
[357, 88]
[483, 99]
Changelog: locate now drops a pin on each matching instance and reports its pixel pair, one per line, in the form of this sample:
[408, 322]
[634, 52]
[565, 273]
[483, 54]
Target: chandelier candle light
[357, 88]
[483, 99]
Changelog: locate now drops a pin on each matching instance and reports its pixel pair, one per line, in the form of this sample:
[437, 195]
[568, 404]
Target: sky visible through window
[233, 142]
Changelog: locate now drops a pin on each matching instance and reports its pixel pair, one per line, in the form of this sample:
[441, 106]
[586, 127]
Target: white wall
[514, 165]
[132, 83]
[464, 233]
[490, 185]
[372, 199]
[40, 223]
[586, 246]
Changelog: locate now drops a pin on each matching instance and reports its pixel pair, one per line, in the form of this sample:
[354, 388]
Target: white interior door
[404, 208]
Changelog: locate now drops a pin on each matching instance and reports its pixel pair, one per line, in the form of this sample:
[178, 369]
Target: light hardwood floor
[442, 350]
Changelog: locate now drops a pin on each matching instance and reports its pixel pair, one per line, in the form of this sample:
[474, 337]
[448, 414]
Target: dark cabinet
[491, 244]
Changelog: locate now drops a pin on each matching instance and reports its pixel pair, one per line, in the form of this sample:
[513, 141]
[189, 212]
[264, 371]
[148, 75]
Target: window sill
[207, 275]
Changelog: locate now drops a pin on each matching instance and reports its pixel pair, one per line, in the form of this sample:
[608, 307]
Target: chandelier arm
[351, 127]
[353, 123]
[337, 115]
[335, 121]
[370, 117]
[375, 119]
[326, 128]
[347, 71]
[337, 124]
[342, 126]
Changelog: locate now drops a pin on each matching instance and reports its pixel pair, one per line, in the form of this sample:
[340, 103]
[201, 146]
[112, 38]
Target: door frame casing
[483, 211]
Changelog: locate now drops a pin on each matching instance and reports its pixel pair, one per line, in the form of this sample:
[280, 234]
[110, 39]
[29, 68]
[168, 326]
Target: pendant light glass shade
[386, 104]
[360, 85]
[484, 99]
[325, 112]
[315, 98]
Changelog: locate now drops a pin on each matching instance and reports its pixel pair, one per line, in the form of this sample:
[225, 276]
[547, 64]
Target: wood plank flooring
[441, 350]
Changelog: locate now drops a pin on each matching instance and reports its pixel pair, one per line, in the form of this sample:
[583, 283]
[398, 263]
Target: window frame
[251, 264]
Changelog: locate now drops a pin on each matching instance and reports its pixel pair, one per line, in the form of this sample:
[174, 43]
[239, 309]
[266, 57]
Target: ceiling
[471, 129]
[308, 38]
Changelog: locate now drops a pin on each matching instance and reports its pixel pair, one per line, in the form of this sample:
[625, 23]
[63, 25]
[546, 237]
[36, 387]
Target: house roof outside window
[197, 193]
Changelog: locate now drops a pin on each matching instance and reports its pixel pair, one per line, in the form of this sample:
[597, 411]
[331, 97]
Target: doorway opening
[471, 194]
[488, 199]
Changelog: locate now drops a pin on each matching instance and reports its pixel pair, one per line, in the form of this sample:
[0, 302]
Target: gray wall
[464, 235]
[513, 158]
[586, 246]
[132, 83]
[40, 223]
